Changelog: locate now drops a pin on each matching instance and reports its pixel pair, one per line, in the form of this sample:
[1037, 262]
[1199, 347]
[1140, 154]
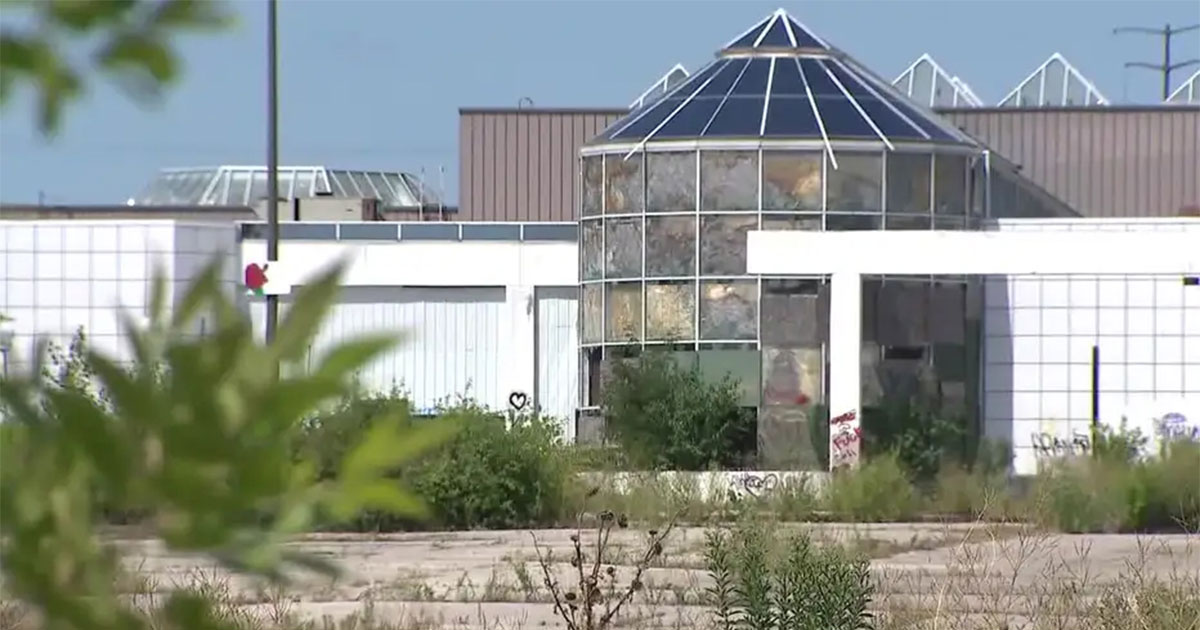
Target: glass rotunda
[781, 131]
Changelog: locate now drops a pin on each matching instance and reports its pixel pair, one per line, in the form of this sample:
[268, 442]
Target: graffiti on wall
[753, 485]
[1048, 445]
[517, 401]
[1175, 426]
[845, 438]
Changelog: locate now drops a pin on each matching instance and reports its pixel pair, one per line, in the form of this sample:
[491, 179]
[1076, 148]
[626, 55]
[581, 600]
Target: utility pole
[272, 164]
[1166, 67]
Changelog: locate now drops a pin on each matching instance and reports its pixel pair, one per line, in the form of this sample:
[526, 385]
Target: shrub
[492, 475]
[325, 437]
[764, 581]
[1115, 493]
[878, 490]
[667, 417]
[921, 439]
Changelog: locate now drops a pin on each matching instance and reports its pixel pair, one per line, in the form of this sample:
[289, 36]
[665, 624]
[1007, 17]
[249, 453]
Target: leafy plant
[134, 46]
[497, 472]
[920, 438]
[785, 582]
[878, 490]
[198, 434]
[596, 598]
[667, 417]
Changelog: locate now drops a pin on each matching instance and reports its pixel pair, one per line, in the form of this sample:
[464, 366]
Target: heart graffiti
[517, 401]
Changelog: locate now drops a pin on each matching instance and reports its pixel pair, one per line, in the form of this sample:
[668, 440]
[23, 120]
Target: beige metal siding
[1103, 162]
[520, 164]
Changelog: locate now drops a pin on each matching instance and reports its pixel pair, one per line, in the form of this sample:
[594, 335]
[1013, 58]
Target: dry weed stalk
[578, 607]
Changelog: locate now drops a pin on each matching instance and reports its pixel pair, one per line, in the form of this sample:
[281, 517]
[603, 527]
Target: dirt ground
[974, 575]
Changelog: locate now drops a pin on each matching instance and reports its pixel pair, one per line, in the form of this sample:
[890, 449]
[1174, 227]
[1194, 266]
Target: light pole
[272, 163]
[1166, 67]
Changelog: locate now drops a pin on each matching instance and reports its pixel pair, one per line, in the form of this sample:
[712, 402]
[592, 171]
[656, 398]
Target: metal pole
[1166, 67]
[272, 164]
[1095, 394]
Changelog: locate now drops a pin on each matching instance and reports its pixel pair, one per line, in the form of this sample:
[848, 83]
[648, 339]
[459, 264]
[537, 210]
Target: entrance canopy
[973, 253]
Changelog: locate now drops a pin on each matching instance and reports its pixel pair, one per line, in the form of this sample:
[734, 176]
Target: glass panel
[795, 312]
[811, 222]
[593, 252]
[671, 311]
[857, 183]
[835, 222]
[729, 310]
[624, 306]
[792, 376]
[285, 184]
[623, 184]
[306, 184]
[238, 182]
[381, 185]
[950, 185]
[258, 187]
[942, 222]
[671, 246]
[593, 315]
[623, 248]
[978, 188]
[593, 185]
[907, 222]
[908, 183]
[728, 180]
[670, 182]
[340, 186]
[723, 244]
[791, 180]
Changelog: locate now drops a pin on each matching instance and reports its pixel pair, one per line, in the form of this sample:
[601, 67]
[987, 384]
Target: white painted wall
[484, 319]
[59, 276]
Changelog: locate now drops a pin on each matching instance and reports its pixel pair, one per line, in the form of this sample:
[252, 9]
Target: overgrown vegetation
[764, 579]
[667, 417]
[197, 436]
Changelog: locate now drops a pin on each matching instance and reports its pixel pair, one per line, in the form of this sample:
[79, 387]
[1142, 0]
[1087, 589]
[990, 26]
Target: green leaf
[85, 15]
[348, 357]
[304, 318]
[141, 56]
[382, 494]
[190, 14]
[390, 442]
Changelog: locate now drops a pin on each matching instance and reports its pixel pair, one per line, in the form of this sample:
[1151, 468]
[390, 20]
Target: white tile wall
[1039, 334]
[59, 276]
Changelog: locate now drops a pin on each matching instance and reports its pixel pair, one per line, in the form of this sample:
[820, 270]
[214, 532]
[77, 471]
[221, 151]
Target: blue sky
[377, 83]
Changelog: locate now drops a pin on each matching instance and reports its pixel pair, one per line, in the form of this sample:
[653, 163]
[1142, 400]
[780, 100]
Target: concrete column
[845, 370]
[519, 376]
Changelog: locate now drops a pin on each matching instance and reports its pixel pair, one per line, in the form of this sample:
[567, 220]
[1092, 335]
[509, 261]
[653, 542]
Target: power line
[1166, 67]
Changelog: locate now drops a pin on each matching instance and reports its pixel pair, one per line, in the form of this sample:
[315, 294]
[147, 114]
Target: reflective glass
[856, 185]
[623, 184]
[810, 222]
[795, 312]
[692, 120]
[791, 180]
[843, 120]
[239, 182]
[728, 180]
[804, 37]
[728, 310]
[837, 222]
[791, 116]
[670, 182]
[624, 311]
[776, 35]
[623, 248]
[723, 244]
[670, 246]
[649, 118]
[753, 81]
[592, 249]
[908, 183]
[593, 185]
[950, 185]
[258, 187]
[670, 311]
[593, 315]
[787, 81]
[907, 222]
[723, 81]
[738, 116]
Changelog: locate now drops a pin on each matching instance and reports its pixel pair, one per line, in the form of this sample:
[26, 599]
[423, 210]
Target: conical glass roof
[781, 80]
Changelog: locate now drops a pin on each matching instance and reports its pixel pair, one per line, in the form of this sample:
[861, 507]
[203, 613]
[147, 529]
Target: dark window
[491, 232]
[308, 231]
[551, 232]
